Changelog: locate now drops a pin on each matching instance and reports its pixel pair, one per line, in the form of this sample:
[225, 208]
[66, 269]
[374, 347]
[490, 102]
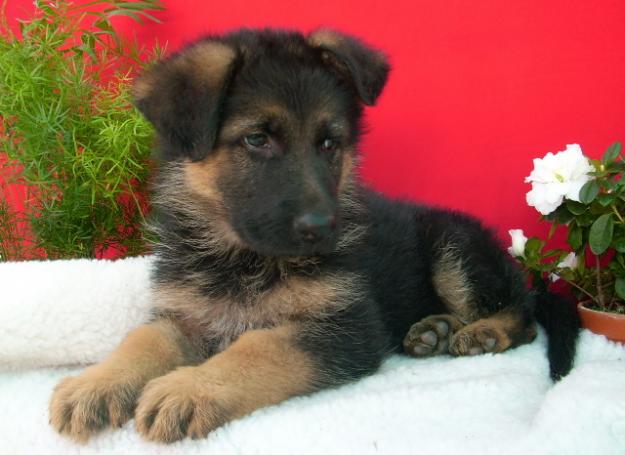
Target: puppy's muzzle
[314, 227]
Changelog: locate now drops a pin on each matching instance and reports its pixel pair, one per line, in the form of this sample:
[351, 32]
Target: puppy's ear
[365, 68]
[182, 96]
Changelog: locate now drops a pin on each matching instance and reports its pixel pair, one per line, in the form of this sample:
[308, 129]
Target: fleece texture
[55, 317]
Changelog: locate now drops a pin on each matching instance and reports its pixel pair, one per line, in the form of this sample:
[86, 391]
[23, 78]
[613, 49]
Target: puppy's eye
[257, 140]
[329, 145]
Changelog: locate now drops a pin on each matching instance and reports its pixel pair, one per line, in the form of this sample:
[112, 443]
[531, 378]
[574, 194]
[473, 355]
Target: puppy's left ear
[364, 67]
[182, 96]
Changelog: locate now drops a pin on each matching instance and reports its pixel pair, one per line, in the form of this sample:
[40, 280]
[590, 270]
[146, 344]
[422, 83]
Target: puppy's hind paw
[478, 339]
[431, 336]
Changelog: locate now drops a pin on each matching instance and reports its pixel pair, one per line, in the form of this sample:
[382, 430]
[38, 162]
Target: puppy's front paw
[178, 405]
[83, 405]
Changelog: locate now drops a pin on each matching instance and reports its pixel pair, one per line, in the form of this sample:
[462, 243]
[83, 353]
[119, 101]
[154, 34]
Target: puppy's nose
[313, 227]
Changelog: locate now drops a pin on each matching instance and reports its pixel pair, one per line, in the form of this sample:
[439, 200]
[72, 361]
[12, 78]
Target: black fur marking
[284, 85]
[348, 345]
[185, 103]
[561, 322]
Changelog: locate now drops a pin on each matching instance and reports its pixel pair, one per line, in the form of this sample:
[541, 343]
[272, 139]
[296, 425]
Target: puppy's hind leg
[480, 285]
[489, 307]
[506, 329]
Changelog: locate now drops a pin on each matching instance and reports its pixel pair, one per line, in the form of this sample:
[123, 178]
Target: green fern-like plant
[70, 134]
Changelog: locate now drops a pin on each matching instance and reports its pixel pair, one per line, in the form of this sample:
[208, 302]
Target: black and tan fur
[277, 273]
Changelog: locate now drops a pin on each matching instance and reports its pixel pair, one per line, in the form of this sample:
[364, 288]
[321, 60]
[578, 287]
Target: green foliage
[596, 234]
[70, 132]
[588, 193]
[600, 234]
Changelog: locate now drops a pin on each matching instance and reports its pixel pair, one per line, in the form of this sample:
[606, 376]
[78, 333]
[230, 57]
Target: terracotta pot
[609, 324]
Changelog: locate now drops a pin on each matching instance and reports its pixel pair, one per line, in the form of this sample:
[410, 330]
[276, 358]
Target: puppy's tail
[561, 322]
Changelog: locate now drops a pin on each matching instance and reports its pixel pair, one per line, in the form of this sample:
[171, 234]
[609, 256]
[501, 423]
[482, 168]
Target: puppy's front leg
[105, 394]
[261, 368]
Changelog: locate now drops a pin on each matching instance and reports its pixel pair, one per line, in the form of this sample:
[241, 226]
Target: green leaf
[552, 230]
[576, 208]
[600, 235]
[619, 287]
[151, 17]
[124, 12]
[141, 5]
[575, 237]
[561, 215]
[619, 244]
[611, 153]
[552, 254]
[610, 185]
[532, 248]
[103, 24]
[617, 269]
[589, 191]
[597, 209]
[605, 199]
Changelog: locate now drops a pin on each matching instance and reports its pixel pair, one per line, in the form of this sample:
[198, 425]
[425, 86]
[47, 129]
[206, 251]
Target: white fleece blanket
[55, 314]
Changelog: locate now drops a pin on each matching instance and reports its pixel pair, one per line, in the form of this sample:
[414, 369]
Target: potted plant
[586, 196]
[70, 140]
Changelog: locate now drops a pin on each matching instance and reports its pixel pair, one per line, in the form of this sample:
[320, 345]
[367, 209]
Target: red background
[478, 88]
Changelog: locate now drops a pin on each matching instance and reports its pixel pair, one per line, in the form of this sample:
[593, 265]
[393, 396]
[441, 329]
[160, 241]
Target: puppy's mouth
[320, 248]
[292, 247]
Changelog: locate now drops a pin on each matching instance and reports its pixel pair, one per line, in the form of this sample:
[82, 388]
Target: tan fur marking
[333, 40]
[105, 394]
[415, 346]
[201, 178]
[223, 320]
[206, 63]
[347, 167]
[263, 367]
[151, 349]
[236, 127]
[300, 296]
[475, 335]
[142, 86]
[190, 188]
[325, 37]
[451, 284]
[505, 328]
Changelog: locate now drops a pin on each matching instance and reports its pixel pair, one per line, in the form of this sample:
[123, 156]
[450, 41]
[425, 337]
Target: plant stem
[618, 215]
[581, 289]
[599, 286]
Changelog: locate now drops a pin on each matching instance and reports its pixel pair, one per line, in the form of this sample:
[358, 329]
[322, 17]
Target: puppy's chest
[212, 323]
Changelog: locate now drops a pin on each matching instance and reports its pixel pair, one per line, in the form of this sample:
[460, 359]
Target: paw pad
[474, 341]
[428, 337]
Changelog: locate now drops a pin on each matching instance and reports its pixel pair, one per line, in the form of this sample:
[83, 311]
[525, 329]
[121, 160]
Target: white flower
[553, 277]
[518, 243]
[569, 262]
[558, 176]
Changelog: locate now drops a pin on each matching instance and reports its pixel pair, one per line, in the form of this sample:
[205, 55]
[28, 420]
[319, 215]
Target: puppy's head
[263, 125]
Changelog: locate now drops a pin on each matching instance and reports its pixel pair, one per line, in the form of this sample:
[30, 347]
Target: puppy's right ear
[182, 97]
[364, 67]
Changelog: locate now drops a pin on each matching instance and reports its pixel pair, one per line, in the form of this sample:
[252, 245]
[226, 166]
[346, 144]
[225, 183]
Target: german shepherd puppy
[277, 273]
